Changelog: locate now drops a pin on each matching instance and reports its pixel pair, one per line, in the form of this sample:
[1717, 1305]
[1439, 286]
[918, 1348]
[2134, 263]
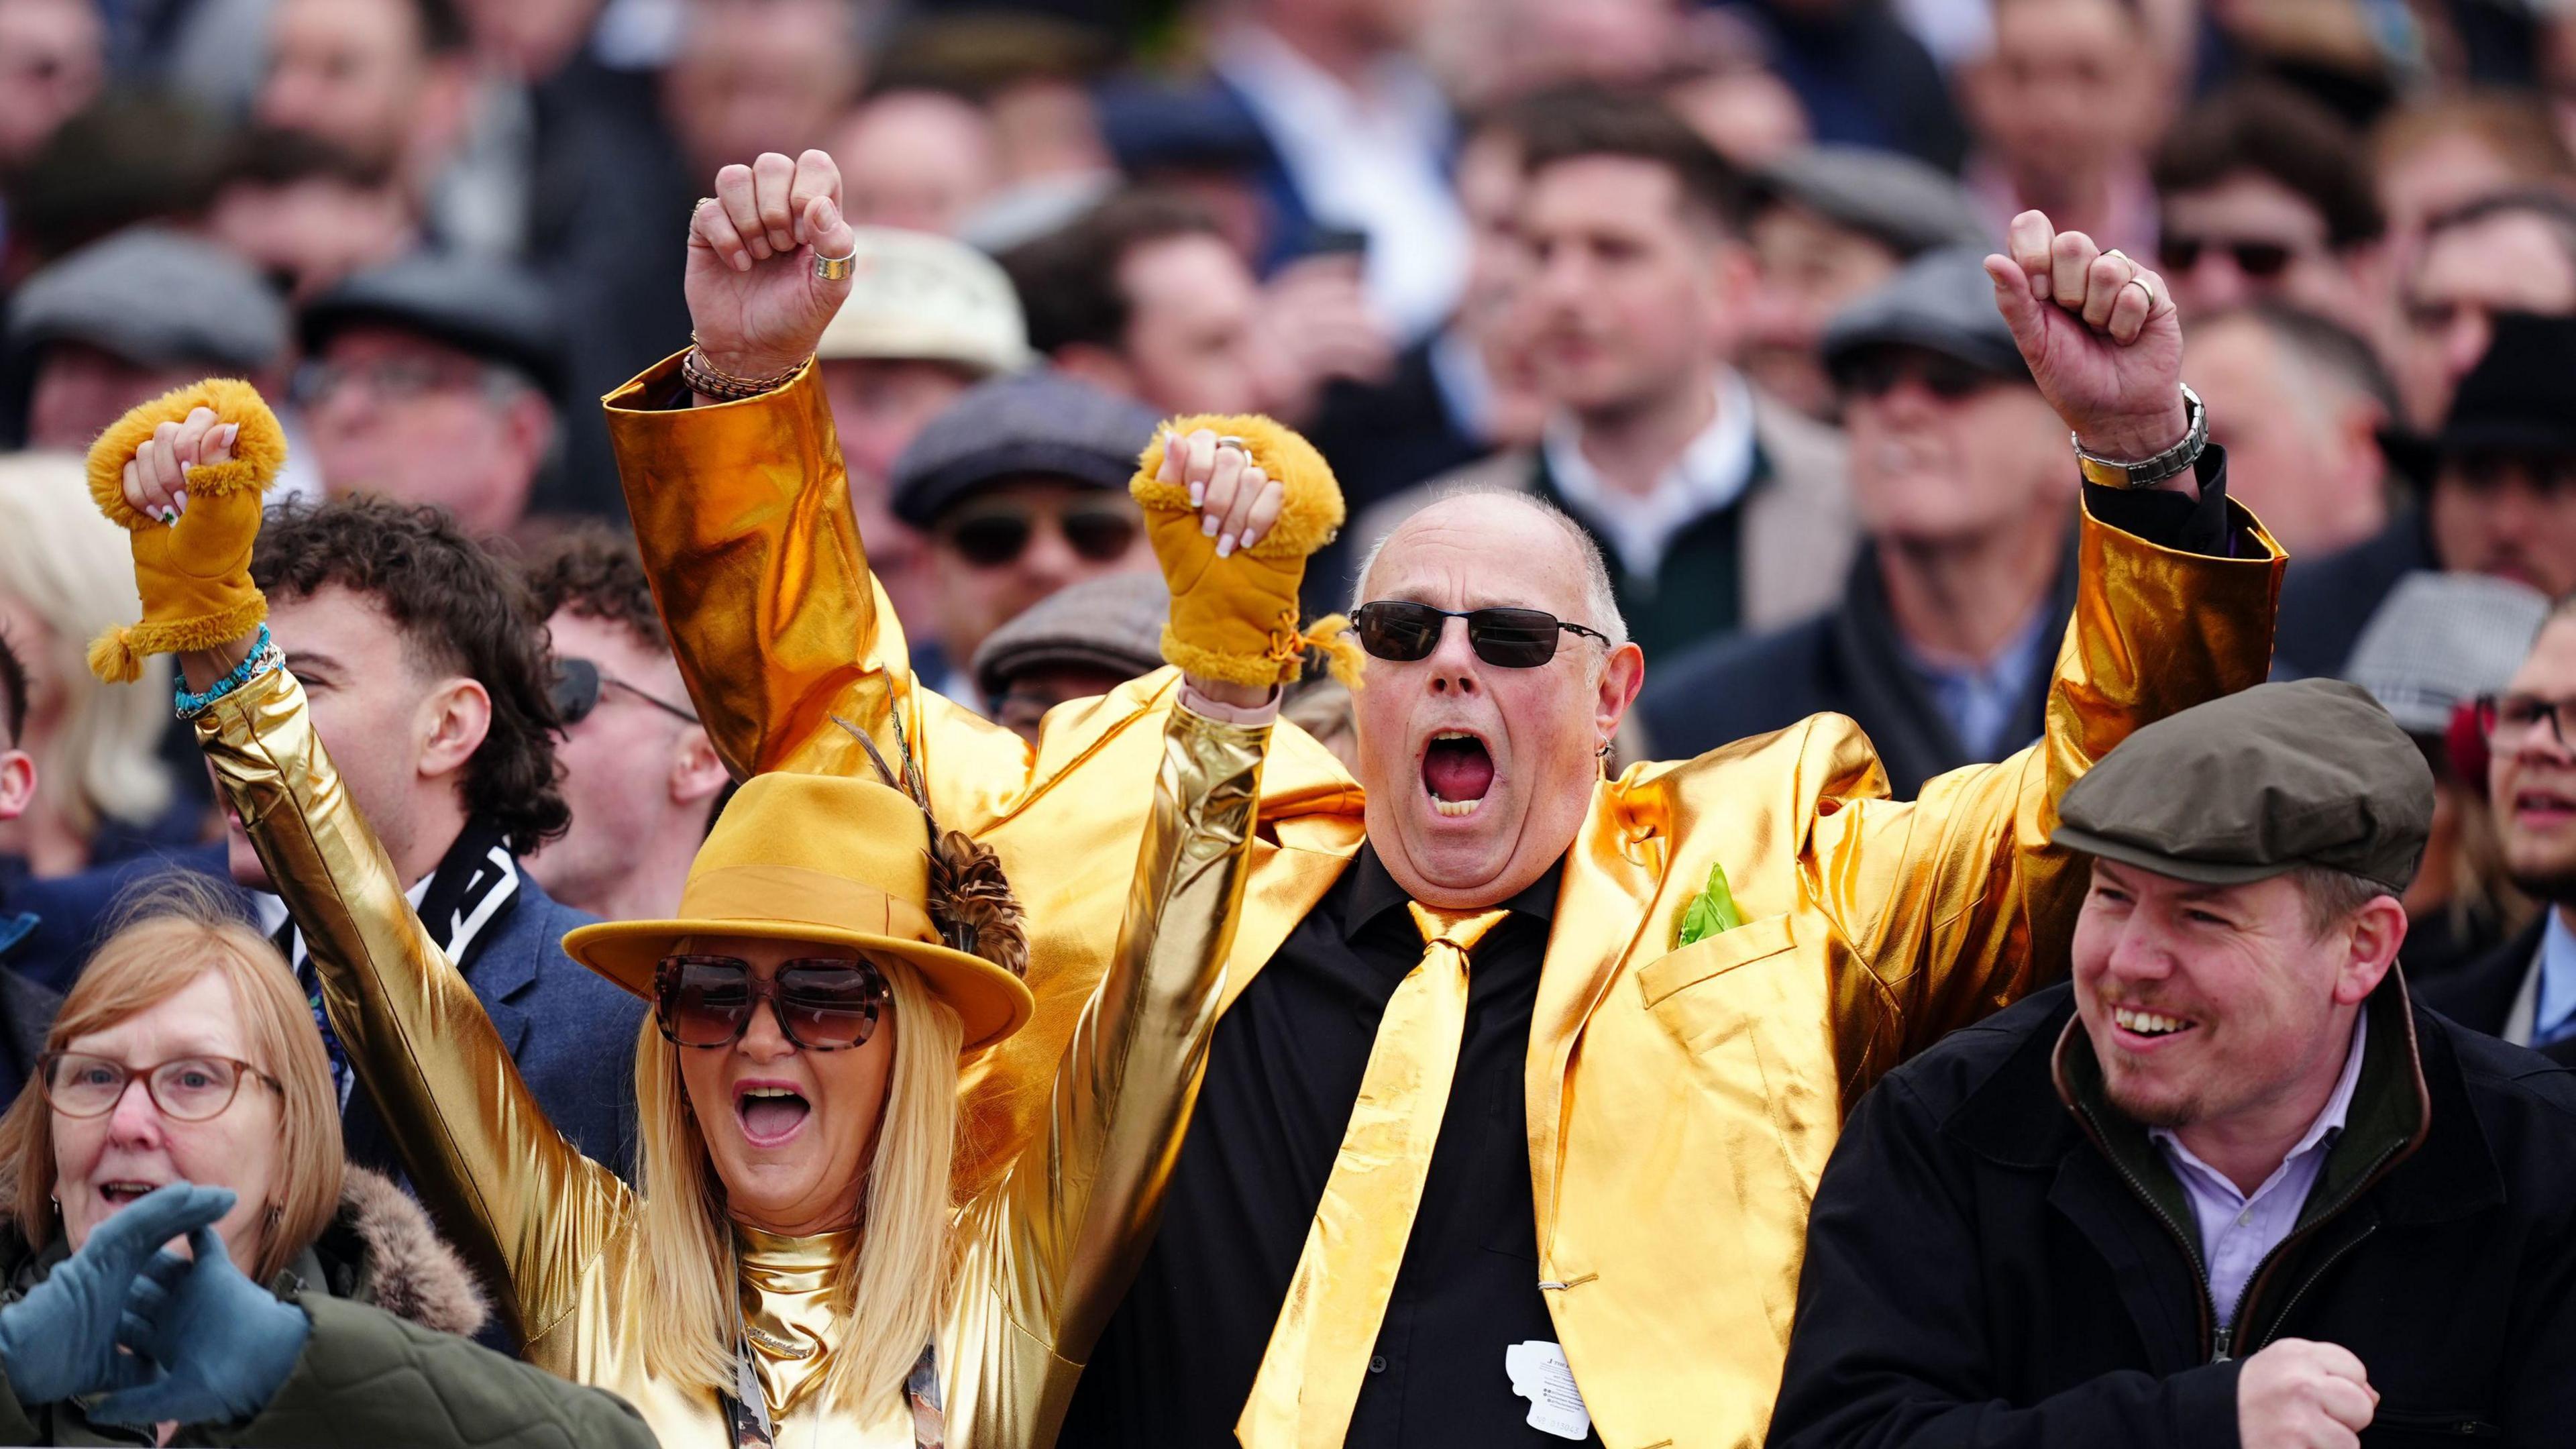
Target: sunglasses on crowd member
[1876, 373]
[2261, 260]
[1100, 530]
[2507, 720]
[822, 1006]
[1506, 638]
[186, 1089]
[579, 681]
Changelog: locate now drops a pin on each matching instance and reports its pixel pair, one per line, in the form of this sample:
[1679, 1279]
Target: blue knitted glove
[59, 1342]
[223, 1344]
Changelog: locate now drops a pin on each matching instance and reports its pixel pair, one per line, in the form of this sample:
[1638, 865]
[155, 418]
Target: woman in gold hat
[788, 1269]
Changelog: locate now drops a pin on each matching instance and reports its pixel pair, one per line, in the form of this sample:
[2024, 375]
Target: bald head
[1478, 775]
[1522, 523]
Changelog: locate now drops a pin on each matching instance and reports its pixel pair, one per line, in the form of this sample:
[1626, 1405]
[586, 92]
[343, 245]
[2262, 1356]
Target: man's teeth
[1455, 807]
[2146, 1023]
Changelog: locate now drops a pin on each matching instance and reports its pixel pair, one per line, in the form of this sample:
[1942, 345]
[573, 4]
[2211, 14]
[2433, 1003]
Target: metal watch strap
[2148, 472]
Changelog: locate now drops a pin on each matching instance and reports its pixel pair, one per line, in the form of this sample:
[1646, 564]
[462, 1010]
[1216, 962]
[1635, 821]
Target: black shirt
[1177, 1361]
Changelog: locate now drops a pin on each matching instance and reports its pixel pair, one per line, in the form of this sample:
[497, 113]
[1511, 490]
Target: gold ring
[1238, 444]
[833, 269]
[2141, 284]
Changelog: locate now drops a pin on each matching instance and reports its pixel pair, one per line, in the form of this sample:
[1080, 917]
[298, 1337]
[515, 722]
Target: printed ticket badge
[1541, 1375]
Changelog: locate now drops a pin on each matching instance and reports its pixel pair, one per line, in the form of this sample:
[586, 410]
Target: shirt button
[2245, 1218]
[1377, 1363]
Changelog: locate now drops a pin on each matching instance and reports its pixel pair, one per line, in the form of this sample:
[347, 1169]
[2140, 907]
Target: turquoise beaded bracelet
[263, 657]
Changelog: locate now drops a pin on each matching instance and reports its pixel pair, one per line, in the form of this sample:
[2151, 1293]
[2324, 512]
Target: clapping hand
[60, 1341]
[2101, 337]
[215, 1346]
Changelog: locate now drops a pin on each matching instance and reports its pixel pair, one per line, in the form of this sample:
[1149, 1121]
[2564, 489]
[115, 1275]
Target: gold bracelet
[709, 380]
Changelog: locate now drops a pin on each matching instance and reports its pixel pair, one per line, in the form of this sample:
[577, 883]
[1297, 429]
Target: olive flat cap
[1113, 623]
[2257, 784]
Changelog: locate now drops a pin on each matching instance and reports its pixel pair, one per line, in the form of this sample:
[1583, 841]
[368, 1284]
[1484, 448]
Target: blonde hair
[76, 570]
[890, 1292]
[180, 928]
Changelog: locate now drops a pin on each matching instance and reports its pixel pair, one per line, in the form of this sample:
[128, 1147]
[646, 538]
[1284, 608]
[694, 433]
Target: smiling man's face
[1478, 775]
[2532, 779]
[2206, 1003]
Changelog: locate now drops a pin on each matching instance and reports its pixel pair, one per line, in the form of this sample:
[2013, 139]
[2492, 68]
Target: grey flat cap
[1908, 205]
[2441, 639]
[490, 309]
[1113, 623]
[1942, 302]
[2257, 784]
[154, 298]
[1041, 423]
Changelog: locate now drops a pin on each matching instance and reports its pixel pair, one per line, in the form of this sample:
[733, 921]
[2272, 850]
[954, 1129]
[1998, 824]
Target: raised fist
[1233, 506]
[2301, 1395]
[2100, 335]
[755, 300]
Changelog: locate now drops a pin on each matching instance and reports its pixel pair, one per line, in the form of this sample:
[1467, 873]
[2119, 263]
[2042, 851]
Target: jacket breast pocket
[2393, 1428]
[1684, 990]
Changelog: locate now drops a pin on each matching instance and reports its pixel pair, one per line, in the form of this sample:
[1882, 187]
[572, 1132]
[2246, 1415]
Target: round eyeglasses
[186, 1089]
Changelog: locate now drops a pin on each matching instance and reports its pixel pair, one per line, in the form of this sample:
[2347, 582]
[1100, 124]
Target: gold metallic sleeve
[742, 514]
[1955, 904]
[1052, 1247]
[524, 1205]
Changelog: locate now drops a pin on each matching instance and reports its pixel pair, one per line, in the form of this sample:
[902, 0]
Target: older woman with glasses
[184, 1094]
[790, 1268]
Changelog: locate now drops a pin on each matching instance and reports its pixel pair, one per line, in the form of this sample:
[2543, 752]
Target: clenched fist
[2101, 337]
[1233, 506]
[2301, 1395]
[755, 300]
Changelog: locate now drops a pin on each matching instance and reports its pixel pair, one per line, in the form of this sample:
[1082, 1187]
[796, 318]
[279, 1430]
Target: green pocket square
[1712, 912]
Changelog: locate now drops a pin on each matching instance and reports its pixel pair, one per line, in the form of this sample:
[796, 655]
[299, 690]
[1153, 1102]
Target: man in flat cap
[2228, 1186]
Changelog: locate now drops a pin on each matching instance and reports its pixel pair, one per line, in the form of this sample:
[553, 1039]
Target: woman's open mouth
[771, 1114]
[1457, 771]
[119, 1193]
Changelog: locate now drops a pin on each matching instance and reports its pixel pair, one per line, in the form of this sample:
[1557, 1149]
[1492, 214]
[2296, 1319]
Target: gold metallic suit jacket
[1681, 1102]
[1048, 1243]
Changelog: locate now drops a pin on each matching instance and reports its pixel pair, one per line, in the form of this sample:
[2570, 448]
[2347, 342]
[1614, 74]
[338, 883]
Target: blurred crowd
[1702, 276]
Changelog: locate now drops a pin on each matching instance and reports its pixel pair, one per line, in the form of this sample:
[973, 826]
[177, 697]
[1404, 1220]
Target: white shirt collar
[1708, 476]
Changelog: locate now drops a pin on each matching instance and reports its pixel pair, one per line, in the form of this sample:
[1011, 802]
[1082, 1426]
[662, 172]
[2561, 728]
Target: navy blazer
[570, 1029]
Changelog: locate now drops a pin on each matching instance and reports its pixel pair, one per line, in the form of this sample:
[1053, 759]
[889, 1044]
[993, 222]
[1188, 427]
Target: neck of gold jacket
[791, 1315]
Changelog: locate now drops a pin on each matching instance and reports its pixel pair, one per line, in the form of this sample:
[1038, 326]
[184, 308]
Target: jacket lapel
[1611, 876]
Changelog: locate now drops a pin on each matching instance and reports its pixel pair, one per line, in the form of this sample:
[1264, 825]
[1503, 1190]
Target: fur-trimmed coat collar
[380, 1249]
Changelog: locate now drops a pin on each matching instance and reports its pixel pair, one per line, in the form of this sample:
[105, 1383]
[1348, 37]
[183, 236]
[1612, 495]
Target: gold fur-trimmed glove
[1236, 618]
[194, 575]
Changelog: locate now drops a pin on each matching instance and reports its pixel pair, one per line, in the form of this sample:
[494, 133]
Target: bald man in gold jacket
[1681, 1095]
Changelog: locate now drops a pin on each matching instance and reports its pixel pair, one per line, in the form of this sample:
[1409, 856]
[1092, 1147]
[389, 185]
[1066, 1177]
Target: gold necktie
[1319, 1350]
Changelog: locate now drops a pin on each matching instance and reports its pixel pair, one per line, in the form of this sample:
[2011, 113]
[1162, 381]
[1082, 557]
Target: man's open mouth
[2150, 1024]
[770, 1114]
[1457, 770]
[2543, 806]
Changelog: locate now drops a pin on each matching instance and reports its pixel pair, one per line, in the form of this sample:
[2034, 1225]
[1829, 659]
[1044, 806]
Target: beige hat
[919, 296]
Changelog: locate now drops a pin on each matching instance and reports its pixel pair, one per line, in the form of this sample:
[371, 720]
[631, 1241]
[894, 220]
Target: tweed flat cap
[2259, 783]
[154, 298]
[914, 296]
[1113, 623]
[1034, 423]
[489, 309]
[1900, 201]
[1942, 302]
[2441, 639]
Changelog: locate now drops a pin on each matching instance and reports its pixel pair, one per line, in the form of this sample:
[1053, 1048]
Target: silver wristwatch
[2148, 472]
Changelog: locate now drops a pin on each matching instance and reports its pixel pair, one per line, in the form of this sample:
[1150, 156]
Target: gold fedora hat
[830, 860]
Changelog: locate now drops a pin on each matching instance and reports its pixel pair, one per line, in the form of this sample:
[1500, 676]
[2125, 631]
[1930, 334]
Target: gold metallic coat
[1681, 1102]
[1046, 1247]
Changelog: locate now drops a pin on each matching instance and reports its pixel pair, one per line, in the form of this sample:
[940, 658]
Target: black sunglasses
[1506, 638]
[1876, 373]
[576, 690]
[2261, 260]
[821, 1006]
[991, 537]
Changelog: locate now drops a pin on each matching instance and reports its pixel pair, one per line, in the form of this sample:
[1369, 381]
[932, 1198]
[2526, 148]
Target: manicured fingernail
[1251, 536]
[185, 469]
[180, 499]
[1207, 526]
[1198, 494]
[742, 261]
[169, 514]
[232, 434]
[1225, 546]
